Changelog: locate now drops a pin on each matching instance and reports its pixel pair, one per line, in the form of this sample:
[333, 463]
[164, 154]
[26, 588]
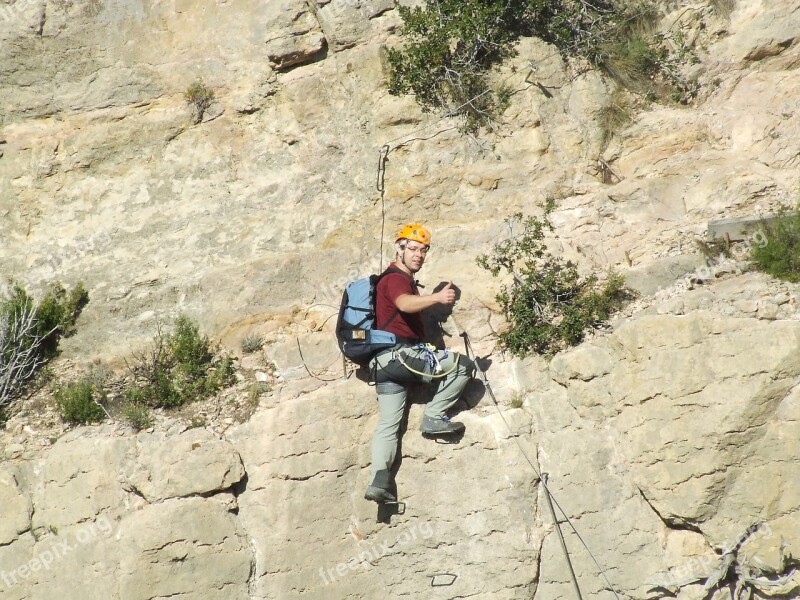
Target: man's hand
[447, 295]
[410, 303]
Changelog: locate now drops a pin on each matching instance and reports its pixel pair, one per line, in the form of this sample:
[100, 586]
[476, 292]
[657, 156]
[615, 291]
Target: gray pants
[392, 378]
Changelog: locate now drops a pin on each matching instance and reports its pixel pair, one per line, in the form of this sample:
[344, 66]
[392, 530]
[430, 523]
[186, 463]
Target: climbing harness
[429, 356]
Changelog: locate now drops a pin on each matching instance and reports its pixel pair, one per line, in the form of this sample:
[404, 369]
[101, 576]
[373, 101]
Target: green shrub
[632, 61]
[549, 306]
[55, 315]
[255, 390]
[517, 400]
[222, 374]
[252, 343]
[137, 415]
[780, 255]
[178, 368]
[714, 249]
[451, 46]
[639, 58]
[79, 402]
[199, 97]
[58, 313]
[30, 332]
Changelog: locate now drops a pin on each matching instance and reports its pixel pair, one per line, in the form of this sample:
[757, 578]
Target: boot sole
[436, 434]
[453, 431]
[380, 496]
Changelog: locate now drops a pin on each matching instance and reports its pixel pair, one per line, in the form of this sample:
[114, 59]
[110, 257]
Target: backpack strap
[390, 270]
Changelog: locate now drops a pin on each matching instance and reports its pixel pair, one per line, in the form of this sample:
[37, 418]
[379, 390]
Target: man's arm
[410, 303]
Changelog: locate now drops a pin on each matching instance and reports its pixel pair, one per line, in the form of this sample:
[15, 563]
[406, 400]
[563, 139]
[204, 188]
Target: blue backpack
[356, 330]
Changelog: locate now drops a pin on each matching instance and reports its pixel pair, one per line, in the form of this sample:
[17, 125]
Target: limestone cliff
[664, 438]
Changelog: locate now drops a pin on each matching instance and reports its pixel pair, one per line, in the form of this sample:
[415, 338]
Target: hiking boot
[433, 426]
[378, 491]
[379, 495]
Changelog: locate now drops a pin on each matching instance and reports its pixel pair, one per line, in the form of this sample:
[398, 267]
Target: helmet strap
[401, 248]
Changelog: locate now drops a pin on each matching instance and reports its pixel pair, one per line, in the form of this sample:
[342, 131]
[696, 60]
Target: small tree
[30, 332]
[20, 349]
[549, 306]
[451, 47]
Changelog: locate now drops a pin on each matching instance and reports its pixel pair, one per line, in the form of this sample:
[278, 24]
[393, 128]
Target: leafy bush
[452, 45]
[58, 313]
[30, 332]
[223, 374]
[137, 415]
[177, 368]
[79, 402]
[549, 306]
[200, 98]
[780, 255]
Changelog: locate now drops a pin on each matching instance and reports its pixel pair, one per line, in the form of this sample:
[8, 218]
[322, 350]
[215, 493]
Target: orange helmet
[414, 232]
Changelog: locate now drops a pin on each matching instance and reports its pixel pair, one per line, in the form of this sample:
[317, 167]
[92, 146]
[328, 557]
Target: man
[398, 310]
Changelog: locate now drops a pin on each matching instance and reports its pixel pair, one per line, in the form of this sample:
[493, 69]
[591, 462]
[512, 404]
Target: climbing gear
[560, 533]
[431, 360]
[433, 426]
[380, 185]
[446, 579]
[357, 333]
[379, 490]
[429, 354]
[414, 232]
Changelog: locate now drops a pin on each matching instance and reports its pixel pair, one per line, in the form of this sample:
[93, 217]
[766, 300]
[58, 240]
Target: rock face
[666, 439]
[179, 466]
[305, 487]
[676, 417]
[295, 36]
[78, 525]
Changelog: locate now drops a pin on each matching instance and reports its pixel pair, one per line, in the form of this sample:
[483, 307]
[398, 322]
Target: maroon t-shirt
[388, 318]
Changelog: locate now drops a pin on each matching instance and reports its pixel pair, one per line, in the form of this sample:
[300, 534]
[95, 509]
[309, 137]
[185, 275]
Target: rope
[380, 184]
[561, 539]
[431, 375]
[543, 480]
[305, 366]
[300, 350]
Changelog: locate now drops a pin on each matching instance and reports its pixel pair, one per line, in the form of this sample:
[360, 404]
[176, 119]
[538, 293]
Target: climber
[398, 310]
